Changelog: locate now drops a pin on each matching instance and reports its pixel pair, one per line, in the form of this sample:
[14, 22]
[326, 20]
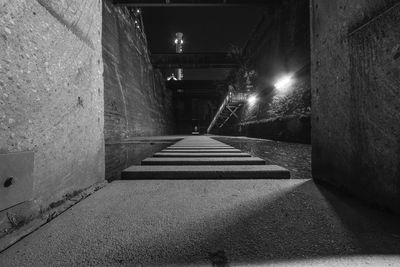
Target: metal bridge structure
[190, 3]
[194, 88]
[229, 109]
[193, 60]
[199, 89]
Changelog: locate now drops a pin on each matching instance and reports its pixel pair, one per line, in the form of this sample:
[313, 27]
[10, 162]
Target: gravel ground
[293, 156]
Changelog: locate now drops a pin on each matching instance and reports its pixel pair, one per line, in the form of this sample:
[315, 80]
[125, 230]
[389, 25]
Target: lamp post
[179, 49]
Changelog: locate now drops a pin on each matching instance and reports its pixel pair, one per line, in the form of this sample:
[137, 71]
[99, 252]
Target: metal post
[179, 50]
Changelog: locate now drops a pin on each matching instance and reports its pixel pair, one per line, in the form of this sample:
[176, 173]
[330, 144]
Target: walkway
[213, 222]
[201, 157]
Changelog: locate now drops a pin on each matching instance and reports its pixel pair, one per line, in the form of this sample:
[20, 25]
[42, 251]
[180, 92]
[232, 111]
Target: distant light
[176, 41]
[172, 77]
[182, 41]
[251, 100]
[136, 21]
[284, 83]
[138, 11]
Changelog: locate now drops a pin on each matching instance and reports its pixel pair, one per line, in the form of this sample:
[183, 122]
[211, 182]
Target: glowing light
[138, 11]
[172, 77]
[182, 41]
[252, 100]
[176, 41]
[284, 83]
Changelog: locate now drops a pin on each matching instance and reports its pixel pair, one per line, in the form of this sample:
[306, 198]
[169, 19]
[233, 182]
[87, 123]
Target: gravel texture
[293, 156]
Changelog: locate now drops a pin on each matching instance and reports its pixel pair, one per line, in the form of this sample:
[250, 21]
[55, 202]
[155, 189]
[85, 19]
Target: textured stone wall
[51, 92]
[355, 88]
[136, 102]
[278, 46]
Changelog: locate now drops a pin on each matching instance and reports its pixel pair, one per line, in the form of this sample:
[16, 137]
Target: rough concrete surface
[136, 102]
[219, 148]
[227, 222]
[164, 154]
[206, 172]
[204, 161]
[200, 150]
[355, 88]
[51, 92]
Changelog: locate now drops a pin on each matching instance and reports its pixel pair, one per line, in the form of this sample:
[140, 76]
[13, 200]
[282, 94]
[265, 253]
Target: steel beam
[190, 3]
[193, 60]
[192, 84]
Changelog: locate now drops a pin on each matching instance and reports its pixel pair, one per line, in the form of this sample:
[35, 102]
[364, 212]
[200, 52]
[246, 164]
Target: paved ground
[213, 222]
[204, 222]
[204, 158]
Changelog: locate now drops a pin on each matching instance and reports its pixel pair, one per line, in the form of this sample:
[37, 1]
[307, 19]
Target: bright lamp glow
[251, 100]
[284, 83]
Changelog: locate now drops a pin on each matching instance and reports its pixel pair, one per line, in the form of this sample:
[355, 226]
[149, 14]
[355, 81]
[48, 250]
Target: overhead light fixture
[284, 83]
[252, 100]
[172, 77]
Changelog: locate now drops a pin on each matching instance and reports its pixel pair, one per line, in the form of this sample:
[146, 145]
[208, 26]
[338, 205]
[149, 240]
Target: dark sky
[205, 29]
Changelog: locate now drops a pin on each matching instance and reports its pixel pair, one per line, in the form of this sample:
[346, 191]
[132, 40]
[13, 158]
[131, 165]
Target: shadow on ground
[293, 156]
[212, 222]
[303, 223]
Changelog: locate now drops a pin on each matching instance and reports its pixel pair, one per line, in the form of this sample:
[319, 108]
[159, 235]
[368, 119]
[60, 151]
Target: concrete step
[205, 172]
[197, 145]
[204, 161]
[201, 151]
[199, 155]
[200, 147]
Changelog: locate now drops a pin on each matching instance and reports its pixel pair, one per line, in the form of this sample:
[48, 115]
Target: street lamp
[283, 83]
[252, 100]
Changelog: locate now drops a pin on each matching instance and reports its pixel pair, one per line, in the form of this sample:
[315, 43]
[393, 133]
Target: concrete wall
[355, 88]
[51, 92]
[278, 46]
[136, 102]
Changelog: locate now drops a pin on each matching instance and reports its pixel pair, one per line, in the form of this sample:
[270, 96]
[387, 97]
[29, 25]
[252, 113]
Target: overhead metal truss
[229, 108]
[191, 84]
[190, 3]
[193, 60]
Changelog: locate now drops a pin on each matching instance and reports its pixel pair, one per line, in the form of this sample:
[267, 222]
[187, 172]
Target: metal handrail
[218, 112]
[230, 97]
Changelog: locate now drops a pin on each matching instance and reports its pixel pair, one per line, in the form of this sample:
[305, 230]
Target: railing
[231, 97]
[239, 96]
[218, 113]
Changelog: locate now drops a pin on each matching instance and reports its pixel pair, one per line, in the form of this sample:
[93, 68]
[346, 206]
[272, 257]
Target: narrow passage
[201, 157]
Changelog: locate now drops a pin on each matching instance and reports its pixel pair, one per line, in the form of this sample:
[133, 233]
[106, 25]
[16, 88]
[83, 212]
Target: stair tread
[138, 172]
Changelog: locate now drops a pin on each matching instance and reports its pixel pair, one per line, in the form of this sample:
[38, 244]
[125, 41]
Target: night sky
[205, 29]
